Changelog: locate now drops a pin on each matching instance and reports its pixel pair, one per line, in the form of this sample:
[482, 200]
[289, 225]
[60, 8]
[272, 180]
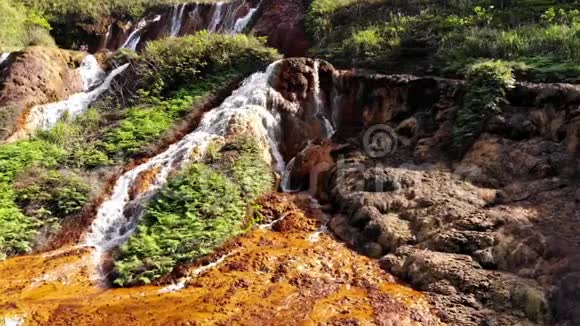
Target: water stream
[46, 116]
[135, 37]
[216, 18]
[177, 19]
[117, 217]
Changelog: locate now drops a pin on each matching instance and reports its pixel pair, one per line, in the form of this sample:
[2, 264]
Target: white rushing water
[118, 215]
[319, 103]
[216, 17]
[91, 72]
[4, 56]
[242, 22]
[13, 321]
[176, 19]
[285, 183]
[135, 37]
[46, 116]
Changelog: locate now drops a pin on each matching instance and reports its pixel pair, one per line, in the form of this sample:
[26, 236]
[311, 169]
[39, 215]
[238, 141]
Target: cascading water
[242, 22]
[286, 182]
[319, 103]
[46, 116]
[216, 18]
[4, 57]
[177, 19]
[117, 217]
[91, 72]
[135, 37]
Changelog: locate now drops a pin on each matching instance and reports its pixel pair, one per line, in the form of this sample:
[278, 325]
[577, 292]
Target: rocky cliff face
[36, 76]
[280, 21]
[489, 236]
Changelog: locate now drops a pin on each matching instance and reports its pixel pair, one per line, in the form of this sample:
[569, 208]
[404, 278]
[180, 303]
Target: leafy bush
[16, 157]
[21, 27]
[170, 63]
[445, 37]
[17, 231]
[250, 170]
[51, 194]
[486, 85]
[196, 212]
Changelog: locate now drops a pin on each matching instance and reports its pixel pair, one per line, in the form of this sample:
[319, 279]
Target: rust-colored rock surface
[37, 75]
[295, 275]
[282, 21]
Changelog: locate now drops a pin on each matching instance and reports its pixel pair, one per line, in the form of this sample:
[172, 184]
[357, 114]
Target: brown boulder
[37, 75]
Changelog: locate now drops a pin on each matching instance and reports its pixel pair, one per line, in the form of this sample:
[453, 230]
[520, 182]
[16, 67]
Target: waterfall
[177, 19]
[319, 103]
[242, 22]
[216, 18]
[46, 116]
[117, 217]
[4, 57]
[108, 36]
[135, 36]
[285, 183]
[91, 72]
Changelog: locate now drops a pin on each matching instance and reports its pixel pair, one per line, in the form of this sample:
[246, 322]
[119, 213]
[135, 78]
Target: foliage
[17, 231]
[196, 212]
[169, 63]
[486, 85]
[16, 157]
[21, 27]
[446, 36]
[51, 194]
[250, 170]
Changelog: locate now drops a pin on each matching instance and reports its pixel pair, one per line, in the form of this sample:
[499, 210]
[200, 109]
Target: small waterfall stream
[4, 56]
[319, 103]
[135, 37]
[46, 116]
[177, 19]
[216, 18]
[117, 217]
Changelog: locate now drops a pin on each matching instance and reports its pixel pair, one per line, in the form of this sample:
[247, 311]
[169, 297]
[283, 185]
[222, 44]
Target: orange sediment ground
[286, 275]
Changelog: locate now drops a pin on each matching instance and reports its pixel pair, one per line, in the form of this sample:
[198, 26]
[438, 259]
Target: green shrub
[21, 27]
[17, 231]
[250, 170]
[51, 194]
[196, 212]
[170, 63]
[486, 85]
[19, 156]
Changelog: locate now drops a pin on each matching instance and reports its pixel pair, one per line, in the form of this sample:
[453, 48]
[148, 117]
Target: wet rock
[37, 75]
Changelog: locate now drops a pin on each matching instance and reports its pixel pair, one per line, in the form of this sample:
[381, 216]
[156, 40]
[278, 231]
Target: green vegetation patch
[539, 37]
[21, 27]
[486, 85]
[168, 63]
[196, 212]
[40, 179]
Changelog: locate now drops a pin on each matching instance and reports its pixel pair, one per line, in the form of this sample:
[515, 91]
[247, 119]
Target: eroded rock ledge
[492, 237]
